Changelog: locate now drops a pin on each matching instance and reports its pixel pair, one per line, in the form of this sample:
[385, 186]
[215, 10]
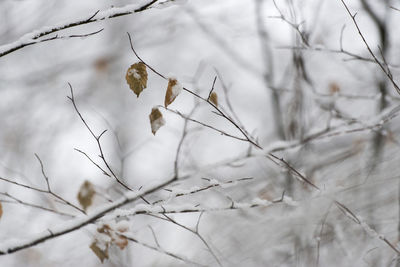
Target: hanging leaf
[1, 210]
[173, 90]
[214, 98]
[156, 120]
[86, 194]
[102, 254]
[121, 241]
[136, 77]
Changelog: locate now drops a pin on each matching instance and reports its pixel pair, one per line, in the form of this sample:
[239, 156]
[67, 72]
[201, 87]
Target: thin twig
[353, 18]
[97, 138]
[212, 88]
[47, 191]
[43, 173]
[154, 236]
[203, 124]
[198, 190]
[350, 214]
[22, 202]
[23, 185]
[294, 171]
[94, 163]
[295, 26]
[182, 139]
[196, 234]
[162, 251]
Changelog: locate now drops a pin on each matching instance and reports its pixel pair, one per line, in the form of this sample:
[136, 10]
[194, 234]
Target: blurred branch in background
[256, 152]
[34, 37]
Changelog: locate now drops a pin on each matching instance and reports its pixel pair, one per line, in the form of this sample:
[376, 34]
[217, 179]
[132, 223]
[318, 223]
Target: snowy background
[261, 60]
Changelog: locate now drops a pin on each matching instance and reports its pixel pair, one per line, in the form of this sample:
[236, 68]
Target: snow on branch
[175, 192]
[368, 229]
[12, 246]
[34, 36]
[191, 208]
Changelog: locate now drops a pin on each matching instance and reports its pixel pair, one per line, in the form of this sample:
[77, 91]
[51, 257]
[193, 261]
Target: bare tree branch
[386, 72]
[161, 250]
[34, 37]
[78, 223]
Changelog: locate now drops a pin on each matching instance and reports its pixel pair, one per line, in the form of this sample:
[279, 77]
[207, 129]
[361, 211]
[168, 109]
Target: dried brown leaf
[173, 90]
[121, 242]
[136, 77]
[86, 194]
[156, 120]
[102, 254]
[214, 98]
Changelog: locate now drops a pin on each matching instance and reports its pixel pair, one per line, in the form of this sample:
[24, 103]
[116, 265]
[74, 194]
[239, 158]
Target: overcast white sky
[196, 41]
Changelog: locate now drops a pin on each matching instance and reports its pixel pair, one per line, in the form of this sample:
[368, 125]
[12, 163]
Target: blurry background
[290, 70]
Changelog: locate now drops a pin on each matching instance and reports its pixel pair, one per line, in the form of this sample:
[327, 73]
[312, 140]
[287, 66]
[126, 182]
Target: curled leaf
[156, 120]
[86, 194]
[136, 77]
[214, 98]
[102, 254]
[173, 90]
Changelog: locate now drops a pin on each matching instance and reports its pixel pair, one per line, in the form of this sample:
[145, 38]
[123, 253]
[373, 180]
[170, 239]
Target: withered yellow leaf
[136, 77]
[156, 120]
[173, 90]
[102, 254]
[105, 229]
[214, 98]
[86, 194]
